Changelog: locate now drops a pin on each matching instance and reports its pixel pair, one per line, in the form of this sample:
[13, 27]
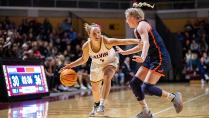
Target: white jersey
[104, 55]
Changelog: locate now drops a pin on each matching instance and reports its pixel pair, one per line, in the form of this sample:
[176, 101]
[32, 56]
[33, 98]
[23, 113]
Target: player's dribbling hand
[119, 50]
[65, 67]
[138, 59]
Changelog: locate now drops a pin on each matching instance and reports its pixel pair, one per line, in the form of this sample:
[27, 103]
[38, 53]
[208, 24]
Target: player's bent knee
[135, 85]
[135, 81]
[145, 89]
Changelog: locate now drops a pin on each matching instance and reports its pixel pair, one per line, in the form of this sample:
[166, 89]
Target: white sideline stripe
[190, 100]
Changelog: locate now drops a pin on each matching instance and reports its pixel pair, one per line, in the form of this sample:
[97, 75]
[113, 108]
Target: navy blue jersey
[158, 58]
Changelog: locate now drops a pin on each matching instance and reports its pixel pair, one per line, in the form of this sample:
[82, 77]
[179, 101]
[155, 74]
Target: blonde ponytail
[143, 4]
[136, 10]
[87, 27]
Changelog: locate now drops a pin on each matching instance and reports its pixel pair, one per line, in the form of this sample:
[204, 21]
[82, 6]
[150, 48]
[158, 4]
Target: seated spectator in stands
[188, 27]
[206, 58]
[28, 54]
[36, 51]
[50, 66]
[203, 69]
[43, 48]
[186, 46]
[119, 78]
[188, 60]
[180, 36]
[72, 35]
[203, 43]
[47, 26]
[66, 25]
[194, 46]
[195, 60]
[24, 50]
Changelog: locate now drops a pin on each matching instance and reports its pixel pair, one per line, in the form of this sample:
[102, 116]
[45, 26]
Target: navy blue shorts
[161, 66]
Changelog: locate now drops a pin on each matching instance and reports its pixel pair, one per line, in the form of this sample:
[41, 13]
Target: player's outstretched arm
[82, 60]
[115, 42]
[133, 50]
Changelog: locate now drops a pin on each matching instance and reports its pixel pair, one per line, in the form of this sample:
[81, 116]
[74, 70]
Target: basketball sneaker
[178, 102]
[100, 108]
[144, 114]
[93, 112]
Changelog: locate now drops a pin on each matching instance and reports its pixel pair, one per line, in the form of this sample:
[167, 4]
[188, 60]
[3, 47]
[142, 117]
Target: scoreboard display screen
[22, 80]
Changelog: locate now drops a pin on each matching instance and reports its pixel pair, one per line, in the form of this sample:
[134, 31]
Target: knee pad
[135, 85]
[150, 89]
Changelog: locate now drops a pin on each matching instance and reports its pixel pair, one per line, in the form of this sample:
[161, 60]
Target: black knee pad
[135, 84]
[145, 88]
[150, 89]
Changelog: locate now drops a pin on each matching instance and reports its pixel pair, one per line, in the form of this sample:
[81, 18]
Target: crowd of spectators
[195, 42]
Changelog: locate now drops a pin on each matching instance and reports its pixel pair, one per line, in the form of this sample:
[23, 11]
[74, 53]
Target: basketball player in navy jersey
[104, 63]
[155, 61]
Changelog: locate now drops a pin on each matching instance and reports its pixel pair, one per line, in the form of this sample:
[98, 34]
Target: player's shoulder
[143, 25]
[85, 45]
[106, 40]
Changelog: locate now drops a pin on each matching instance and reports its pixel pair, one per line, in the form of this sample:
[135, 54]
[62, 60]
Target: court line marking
[190, 100]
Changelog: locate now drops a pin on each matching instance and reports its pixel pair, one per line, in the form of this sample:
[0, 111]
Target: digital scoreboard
[23, 78]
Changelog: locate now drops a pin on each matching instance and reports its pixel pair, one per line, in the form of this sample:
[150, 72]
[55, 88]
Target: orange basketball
[68, 77]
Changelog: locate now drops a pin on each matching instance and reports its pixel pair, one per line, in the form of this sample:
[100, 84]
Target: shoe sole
[181, 102]
[101, 113]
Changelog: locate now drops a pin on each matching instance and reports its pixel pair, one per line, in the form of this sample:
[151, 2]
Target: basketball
[68, 77]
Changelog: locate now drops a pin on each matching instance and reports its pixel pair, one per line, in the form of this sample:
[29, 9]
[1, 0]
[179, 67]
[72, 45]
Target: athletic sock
[171, 97]
[101, 102]
[144, 106]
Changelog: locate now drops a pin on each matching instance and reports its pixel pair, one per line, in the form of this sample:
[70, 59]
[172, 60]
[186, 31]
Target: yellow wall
[118, 25]
[177, 25]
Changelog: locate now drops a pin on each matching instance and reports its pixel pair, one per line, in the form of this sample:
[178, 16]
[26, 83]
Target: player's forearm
[115, 42]
[145, 50]
[132, 50]
[130, 41]
[76, 63]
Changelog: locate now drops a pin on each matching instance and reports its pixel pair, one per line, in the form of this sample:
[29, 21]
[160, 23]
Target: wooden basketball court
[121, 104]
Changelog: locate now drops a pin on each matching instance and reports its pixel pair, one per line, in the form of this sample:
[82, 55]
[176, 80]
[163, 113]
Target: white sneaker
[100, 108]
[93, 112]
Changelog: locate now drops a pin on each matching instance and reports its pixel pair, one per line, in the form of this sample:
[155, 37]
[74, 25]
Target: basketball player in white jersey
[104, 63]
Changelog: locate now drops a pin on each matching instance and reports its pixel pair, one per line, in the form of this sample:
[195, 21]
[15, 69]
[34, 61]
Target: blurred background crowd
[57, 47]
[195, 42]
